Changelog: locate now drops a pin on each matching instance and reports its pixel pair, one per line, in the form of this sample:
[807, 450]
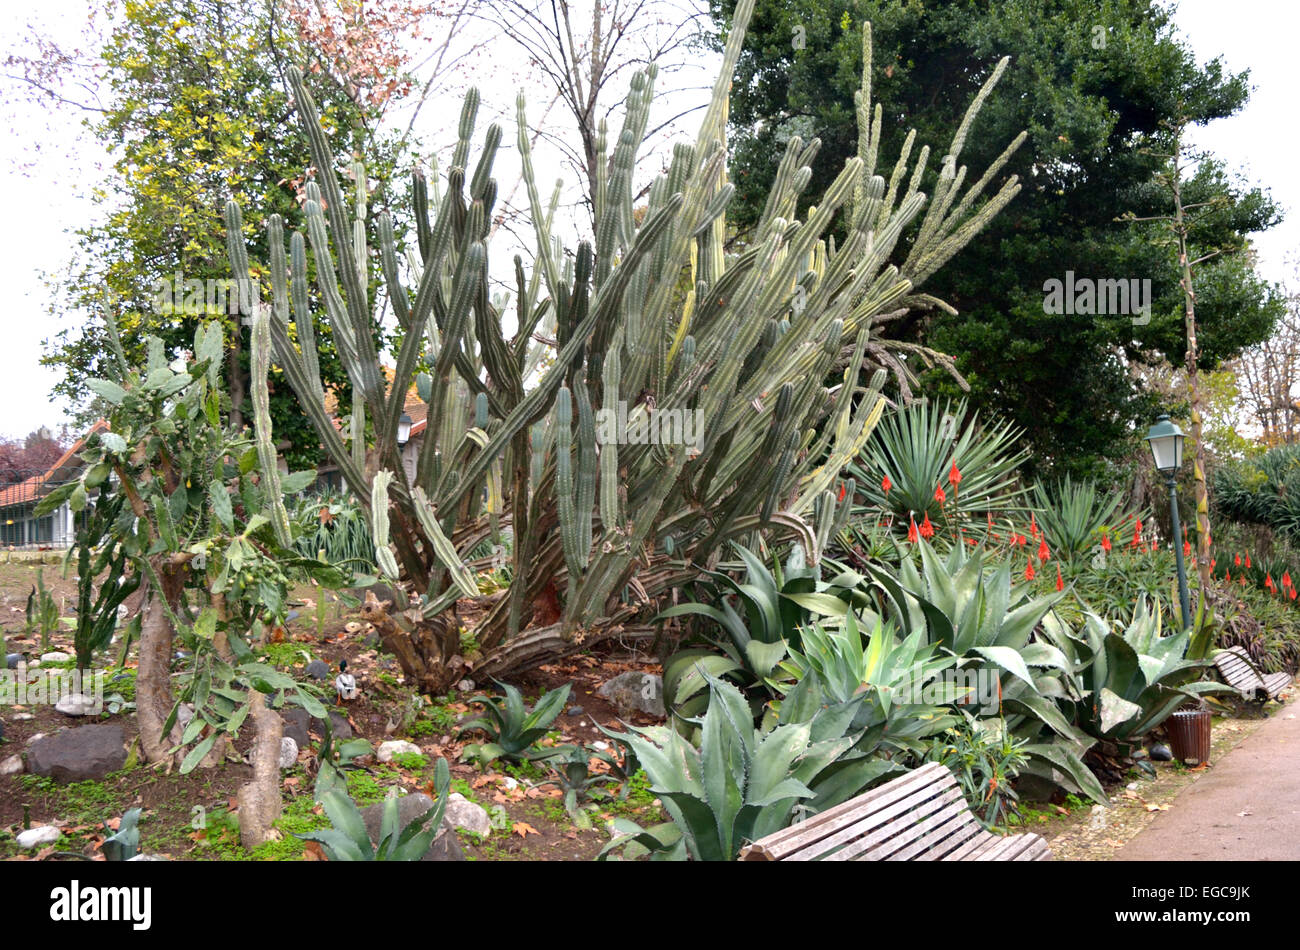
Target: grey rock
[12, 765]
[296, 724]
[463, 813]
[34, 738]
[640, 692]
[35, 837]
[574, 711]
[445, 847]
[465, 686]
[288, 753]
[318, 669]
[339, 725]
[77, 704]
[393, 747]
[12, 660]
[75, 755]
[55, 656]
[22, 717]
[1161, 753]
[148, 857]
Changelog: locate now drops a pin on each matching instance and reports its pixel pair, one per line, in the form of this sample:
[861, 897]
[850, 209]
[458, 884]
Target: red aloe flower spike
[1238, 561]
[939, 495]
[1227, 577]
[1033, 525]
[954, 475]
[1293, 593]
[1242, 580]
[1187, 550]
[1029, 569]
[1248, 560]
[1268, 582]
[843, 491]
[911, 530]
[886, 484]
[1286, 579]
[927, 529]
[1060, 581]
[1044, 555]
[1105, 542]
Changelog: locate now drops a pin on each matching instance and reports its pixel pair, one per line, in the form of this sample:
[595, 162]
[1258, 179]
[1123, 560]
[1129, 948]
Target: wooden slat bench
[919, 817]
[1239, 671]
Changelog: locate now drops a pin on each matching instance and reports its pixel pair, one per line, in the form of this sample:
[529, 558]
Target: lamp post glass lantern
[1166, 441]
[403, 429]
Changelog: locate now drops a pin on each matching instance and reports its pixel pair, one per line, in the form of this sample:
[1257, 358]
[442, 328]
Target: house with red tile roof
[19, 526]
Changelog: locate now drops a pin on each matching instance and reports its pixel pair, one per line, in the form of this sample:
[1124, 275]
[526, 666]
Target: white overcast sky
[45, 205]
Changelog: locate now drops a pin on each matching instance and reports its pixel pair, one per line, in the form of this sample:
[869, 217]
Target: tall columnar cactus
[655, 319]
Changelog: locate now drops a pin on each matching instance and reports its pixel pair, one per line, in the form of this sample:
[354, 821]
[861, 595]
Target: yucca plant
[1074, 515]
[737, 784]
[512, 435]
[512, 727]
[918, 448]
[334, 529]
[348, 839]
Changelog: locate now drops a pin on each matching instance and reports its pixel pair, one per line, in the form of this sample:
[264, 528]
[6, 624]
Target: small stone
[395, 747]
[22, 717]
[288, 753]
[77, 704]
[55, 656]
[1132, 786]
[510, 783]
[35, 837]
[148, 857]
[574, 711]
[600, 745]
[464, 814]
[318, 669]
[12, 660]
[465, 686]
[1161, 753]
[12, 765]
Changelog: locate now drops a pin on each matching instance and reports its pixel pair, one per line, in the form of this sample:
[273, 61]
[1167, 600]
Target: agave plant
[916, 450]
[514, 728]
[571, 773]
[1136, 677]
[775, 605]
[1073, 515]
[348, 839]
[900, 693]
[737, 784]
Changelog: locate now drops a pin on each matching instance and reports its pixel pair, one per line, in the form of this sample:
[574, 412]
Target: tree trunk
[153, 689]
[259, 800]
[1194, 391]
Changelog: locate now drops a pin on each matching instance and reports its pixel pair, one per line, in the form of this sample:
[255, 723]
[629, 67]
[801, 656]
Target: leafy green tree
[195, 113]
[1097, 86]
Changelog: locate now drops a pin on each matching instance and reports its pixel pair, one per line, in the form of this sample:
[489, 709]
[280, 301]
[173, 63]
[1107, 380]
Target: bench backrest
[1238, 669]
[922, 813]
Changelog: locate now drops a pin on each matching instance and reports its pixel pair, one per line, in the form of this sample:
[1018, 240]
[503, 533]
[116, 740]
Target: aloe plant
[748, 348]
[1074, 515]
[513, 728]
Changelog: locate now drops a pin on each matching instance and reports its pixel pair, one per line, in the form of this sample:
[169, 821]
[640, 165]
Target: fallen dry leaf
[312, 851]
[523, 829]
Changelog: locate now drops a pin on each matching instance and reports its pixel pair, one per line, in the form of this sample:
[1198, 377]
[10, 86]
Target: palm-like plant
[916, 449]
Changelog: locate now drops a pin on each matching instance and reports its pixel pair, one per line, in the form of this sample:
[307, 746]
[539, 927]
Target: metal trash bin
[1189, 736]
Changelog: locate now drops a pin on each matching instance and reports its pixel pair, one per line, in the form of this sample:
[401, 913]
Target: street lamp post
[1166, 441]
